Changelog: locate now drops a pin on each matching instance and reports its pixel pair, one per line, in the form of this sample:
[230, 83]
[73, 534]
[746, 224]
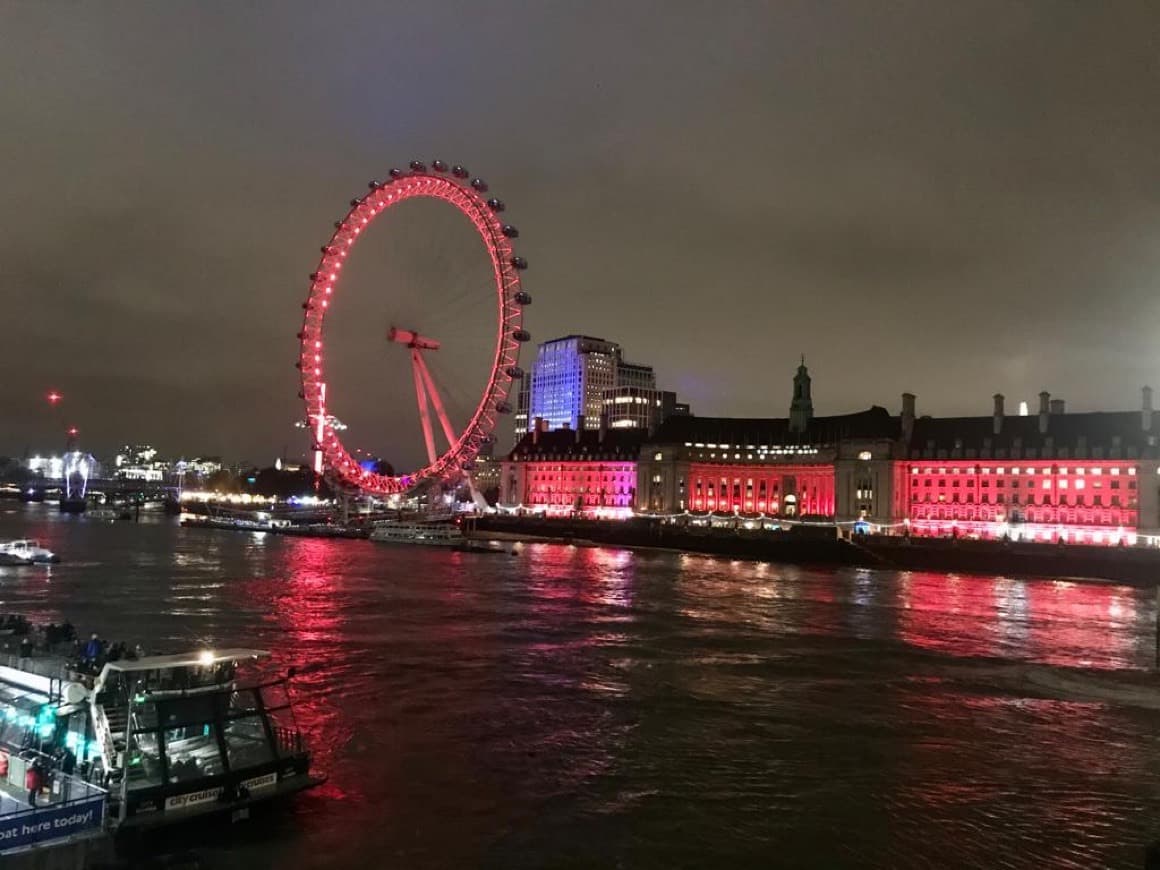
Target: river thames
[581, 707]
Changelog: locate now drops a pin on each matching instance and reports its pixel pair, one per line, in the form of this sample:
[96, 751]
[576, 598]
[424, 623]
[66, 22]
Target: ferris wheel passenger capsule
[374, 183]
[510, 231]
[515, 372]
[438, 165]
[396, 173]
[479, 184]
[458, 171]
[418, 166]
[504, 407]
[523, 297]
[519, 262]
[496, 204]
[522, 335]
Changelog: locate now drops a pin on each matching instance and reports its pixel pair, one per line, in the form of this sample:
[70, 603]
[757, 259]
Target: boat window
[192, 710]
[144, 760]
[243, 701]
[145, 717]
[192, 752]
[246, 743]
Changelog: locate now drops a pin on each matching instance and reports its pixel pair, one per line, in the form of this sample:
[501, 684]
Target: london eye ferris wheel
[450, 450]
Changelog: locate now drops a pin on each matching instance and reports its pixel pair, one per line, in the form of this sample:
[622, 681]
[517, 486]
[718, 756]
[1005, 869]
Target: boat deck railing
[288, 741]
[68, 808]
[53, 667]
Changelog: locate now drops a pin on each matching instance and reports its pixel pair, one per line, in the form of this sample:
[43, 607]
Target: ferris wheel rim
[466, 196]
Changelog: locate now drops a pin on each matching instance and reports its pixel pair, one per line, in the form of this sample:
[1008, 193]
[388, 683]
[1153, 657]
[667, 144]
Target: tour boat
[425, 534]
[25, 552]
[179, 737]
[171, 738]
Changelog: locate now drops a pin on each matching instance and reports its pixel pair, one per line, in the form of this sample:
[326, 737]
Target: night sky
[953, 199]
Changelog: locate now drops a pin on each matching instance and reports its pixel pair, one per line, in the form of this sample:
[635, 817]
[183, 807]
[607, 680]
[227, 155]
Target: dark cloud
[954, 199]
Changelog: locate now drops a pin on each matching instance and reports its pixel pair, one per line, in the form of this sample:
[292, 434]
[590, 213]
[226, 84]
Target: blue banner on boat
[50, 823]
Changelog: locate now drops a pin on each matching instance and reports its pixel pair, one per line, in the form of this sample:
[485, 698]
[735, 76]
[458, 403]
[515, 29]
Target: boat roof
[200, 658]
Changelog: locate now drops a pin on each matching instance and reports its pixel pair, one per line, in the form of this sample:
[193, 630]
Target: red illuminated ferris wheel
[453, 185]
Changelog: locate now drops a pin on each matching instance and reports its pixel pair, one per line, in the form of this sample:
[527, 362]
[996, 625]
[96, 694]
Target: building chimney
[537, 429]
[1056, 406]
[997, 416]
[1146, 410]
[603, 427]
[907, 416]
[1044, 411]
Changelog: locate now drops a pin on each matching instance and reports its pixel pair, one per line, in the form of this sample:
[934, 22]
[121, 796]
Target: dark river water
[575, 707]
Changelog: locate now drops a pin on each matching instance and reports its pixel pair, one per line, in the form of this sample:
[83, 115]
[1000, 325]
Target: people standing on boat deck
[26, 647]
[32, 781]
[66, 760]
[92, 651]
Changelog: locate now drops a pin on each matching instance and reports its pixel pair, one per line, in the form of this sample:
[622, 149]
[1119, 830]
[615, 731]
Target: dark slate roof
[873, 423]
[1084, 430]
[562, 444]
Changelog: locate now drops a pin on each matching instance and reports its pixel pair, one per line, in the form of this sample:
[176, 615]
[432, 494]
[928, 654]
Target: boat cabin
[179, 735]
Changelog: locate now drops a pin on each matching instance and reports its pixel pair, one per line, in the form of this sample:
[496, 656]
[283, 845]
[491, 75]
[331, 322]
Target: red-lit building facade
[1081, 478]
[587, 471]
[1052, 476]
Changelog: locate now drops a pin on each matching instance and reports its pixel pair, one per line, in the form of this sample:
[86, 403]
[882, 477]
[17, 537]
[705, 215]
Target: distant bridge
[39, 488]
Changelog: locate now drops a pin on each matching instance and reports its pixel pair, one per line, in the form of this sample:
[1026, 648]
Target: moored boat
[179, 737]
[26, 552]
[423, 534]
[171, 738]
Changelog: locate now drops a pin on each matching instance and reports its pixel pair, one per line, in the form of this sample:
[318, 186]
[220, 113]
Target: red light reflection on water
[1054, 622]
[303, 606]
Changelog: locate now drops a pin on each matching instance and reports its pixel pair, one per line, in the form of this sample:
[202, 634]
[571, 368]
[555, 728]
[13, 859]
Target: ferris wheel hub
[411, 339]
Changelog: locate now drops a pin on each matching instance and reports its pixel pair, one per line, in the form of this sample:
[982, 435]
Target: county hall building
[1051, 476]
